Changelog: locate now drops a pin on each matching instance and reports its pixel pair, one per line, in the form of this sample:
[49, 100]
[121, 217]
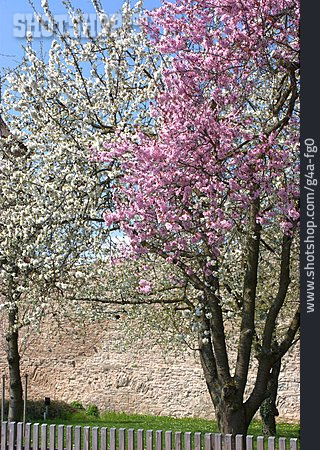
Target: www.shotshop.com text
[309, 247]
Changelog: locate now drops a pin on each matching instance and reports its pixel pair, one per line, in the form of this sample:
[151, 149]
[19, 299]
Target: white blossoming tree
[55, 111]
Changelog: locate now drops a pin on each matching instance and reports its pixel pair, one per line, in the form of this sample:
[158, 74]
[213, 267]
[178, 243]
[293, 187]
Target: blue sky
[10, 46]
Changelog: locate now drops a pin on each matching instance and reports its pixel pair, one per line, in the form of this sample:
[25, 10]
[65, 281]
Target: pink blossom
[294, 214]
[144, 286]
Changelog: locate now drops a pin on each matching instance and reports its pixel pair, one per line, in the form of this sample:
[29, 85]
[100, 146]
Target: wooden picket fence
[16, 436]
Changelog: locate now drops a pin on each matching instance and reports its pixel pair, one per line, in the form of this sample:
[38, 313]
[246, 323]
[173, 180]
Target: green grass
[146, 422]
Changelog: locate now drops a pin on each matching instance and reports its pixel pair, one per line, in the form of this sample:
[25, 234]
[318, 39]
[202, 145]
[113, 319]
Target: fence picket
[19, 435]
[103, 438]
[69, 433]
[239, 441]
[197, 441]
[178, 440]
[294, 444]
[44, 428]
[12, 435]
[260, 443]
[27, 437]
[60, 437]
[4, 427]
[212, 441]
[149, 440]
[207, 441]
[158, 440]
[35, 436]
[168, 440]
[282, 443]
[249, 442]
[86, 438]
[113, 439]
[228, 441]
[140, 435]
[52, 437]
[95, 438]
[122, 439]
[217, 441]
[187, 440]
[131, 439]
[77, 437]
[272, 443]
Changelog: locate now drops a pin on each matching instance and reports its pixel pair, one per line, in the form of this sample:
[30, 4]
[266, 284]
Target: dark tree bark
[13, 357]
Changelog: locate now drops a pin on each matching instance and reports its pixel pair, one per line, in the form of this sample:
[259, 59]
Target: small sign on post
[47, 402]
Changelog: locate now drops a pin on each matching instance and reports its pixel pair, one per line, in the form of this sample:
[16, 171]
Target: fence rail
[17, 436]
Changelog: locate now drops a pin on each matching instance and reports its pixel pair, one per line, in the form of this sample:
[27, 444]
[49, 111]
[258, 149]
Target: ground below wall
[87, 367]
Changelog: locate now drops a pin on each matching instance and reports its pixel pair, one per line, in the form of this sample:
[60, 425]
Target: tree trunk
[13, 357]
[228, 404]
[232, 421]
[268, 409]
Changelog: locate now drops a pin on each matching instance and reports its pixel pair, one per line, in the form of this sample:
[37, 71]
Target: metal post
[2, 397]
[25, 396]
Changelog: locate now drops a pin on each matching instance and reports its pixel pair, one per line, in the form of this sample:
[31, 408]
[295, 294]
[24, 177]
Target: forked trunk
[13, 357]
[228, 402]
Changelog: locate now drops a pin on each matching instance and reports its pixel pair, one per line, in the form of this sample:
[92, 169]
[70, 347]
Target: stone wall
[88, 367]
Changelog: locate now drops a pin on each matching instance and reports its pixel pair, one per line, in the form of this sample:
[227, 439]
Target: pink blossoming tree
[214, 191]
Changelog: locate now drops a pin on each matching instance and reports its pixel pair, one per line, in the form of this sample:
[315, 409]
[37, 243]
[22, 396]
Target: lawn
[146, 422]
